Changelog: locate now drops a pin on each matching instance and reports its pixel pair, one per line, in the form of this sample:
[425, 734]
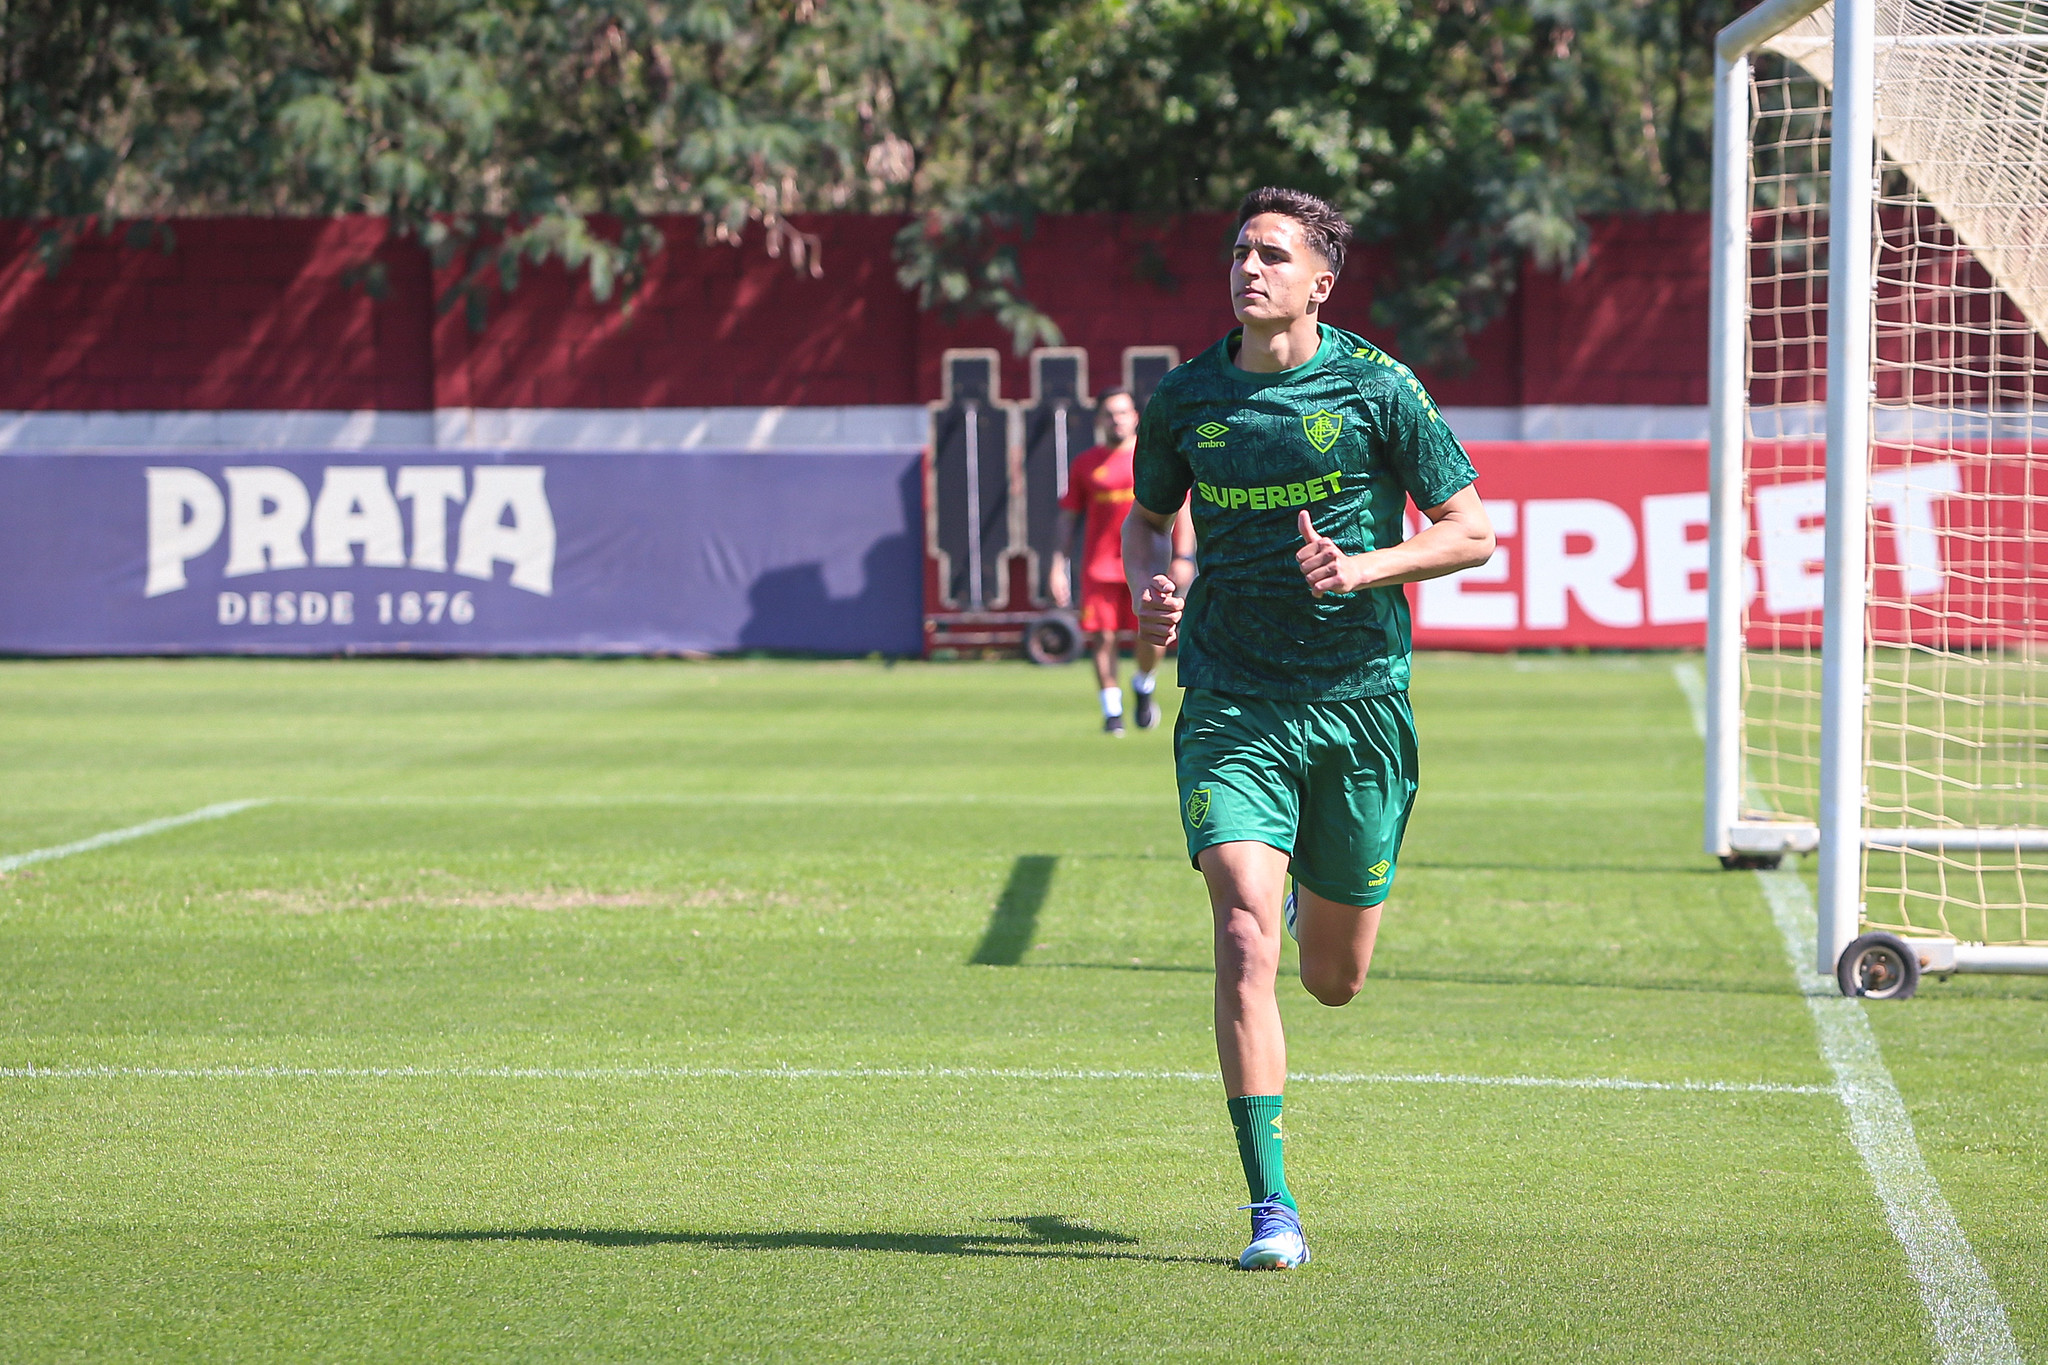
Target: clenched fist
[1159, 607]
[1327, 568]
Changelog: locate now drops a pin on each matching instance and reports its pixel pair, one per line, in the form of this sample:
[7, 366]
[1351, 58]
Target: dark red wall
[713, 326]
[255, 313]
[1630, 326]
[242, 313]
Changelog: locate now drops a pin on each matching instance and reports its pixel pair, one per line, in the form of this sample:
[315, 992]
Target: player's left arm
[1459, 536]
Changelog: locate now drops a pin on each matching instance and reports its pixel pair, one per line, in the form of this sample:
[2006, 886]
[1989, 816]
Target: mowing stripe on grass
[867, 1073]
[120, 836]
[1969, 1321]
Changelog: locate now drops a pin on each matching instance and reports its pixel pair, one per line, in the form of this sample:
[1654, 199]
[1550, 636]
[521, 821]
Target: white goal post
[1877, 650]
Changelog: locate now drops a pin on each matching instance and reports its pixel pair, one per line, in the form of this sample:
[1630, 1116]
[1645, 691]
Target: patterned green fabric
[1350, 436]
[1328, 783]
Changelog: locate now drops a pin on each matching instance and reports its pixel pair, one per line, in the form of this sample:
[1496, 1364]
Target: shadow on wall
[792, 609]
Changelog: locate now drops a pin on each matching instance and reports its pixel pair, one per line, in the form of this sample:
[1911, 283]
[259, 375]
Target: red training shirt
[1099, 482]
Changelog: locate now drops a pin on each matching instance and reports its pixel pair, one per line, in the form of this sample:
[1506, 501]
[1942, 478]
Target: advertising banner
[1955, 545]
[1602, 544]
[461, 552]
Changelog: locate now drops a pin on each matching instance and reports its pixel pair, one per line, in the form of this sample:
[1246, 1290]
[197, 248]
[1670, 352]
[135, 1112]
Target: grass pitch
[736, 1011]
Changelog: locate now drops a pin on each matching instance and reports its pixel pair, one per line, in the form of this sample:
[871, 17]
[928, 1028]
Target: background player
[1295, 748]
[1097, 499]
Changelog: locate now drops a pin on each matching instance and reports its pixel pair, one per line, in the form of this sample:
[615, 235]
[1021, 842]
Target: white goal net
[1953, 824]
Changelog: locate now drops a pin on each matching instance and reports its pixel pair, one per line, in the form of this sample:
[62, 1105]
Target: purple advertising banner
[440, 551]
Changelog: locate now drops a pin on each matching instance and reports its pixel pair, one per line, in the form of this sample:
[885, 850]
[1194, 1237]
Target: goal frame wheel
[1887, 954]
[1053, 639]
[1752, 862]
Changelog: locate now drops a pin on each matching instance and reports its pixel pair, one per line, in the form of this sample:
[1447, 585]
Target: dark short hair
[1321, 224]
[1102, 403]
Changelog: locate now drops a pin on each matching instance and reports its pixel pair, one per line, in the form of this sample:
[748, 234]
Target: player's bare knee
[1335, 994]
[1243, 948]
[1333, 987]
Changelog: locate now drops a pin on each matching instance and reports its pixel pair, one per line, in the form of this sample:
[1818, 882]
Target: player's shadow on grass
[1015, 920]
[1040, 1237]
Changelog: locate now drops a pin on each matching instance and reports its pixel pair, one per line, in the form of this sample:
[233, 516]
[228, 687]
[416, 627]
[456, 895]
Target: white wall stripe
[120, 836]
[828, 427]
[867, 1073]
[1969, 1321]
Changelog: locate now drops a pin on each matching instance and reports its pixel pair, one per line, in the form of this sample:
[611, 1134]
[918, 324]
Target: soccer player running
[1097, 499]
[1295, 748]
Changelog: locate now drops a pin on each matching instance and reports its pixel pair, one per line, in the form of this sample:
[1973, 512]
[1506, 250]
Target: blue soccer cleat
[1292, 912]
[1276, 1238]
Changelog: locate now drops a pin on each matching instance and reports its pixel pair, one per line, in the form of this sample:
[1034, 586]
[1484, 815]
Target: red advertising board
[1958, 543]
[1602, 544]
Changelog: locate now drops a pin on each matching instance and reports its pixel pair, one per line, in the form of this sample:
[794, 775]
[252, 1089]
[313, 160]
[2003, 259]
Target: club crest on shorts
[1323, 428]
[1198, 807]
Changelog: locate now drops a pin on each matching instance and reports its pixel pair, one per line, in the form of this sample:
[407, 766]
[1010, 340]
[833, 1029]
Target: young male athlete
[1295, 747]
[1097, 499]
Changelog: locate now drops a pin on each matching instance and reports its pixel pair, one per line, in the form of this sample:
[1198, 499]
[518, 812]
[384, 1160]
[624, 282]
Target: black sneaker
[1147, 712]
[1113, 726]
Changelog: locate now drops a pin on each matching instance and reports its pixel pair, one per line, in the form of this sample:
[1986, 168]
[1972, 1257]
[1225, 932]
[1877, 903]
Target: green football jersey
[1349, 436]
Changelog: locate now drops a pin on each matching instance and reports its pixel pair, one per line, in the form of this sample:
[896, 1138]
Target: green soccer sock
[1257, 1121]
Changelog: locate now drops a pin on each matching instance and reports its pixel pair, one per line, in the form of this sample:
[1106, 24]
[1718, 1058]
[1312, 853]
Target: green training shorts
[1329, 783]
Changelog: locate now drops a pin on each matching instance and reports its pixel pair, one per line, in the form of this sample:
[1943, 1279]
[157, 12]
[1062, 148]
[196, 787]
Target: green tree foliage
[1466, 136]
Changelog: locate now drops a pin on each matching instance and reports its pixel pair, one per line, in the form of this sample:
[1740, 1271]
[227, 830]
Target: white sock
[1112, 702]
[1141, 682]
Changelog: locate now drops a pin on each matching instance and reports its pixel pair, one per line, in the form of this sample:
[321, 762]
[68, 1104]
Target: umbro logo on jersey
[1323, 428]
[1212, 434]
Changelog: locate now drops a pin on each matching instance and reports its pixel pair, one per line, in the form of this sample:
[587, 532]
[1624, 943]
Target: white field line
[856, 798]
[658, 800]
[1969, 1322]
[120, 836]
[866, 1073]
[1693, 683]
[812, 798]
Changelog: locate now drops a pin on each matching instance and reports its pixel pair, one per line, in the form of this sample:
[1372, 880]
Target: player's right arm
[1162, 478]
[1148, 537]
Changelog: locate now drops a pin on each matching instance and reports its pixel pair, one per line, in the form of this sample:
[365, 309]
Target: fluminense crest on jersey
[1323, 428]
